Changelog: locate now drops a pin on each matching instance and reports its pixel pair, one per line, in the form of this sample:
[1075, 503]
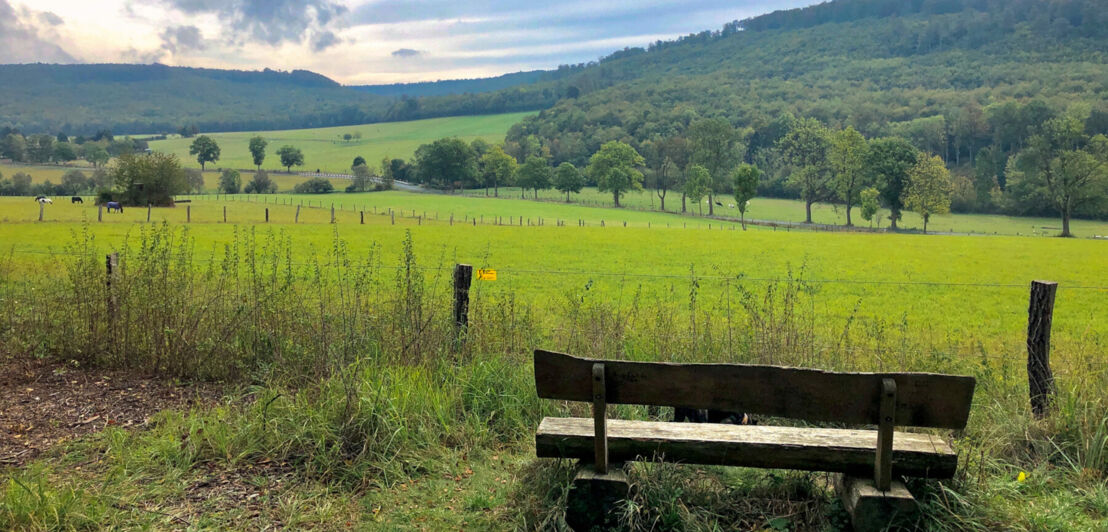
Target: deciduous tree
[536, 174]
[713, 148]
[697, 183]
[290, 157]
[806, 148]
[567, 178]
[745, 179]
[848, 164]
[497, 168]
[888, 163]
[257, 150]
[205, 149]
[230, 182]
[614, 169]
[929, 188]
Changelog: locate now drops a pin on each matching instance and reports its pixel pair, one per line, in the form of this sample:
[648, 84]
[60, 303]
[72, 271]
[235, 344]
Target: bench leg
[594, 499]
[873, 510]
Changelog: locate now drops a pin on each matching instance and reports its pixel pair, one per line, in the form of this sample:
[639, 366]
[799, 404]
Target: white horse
[46, 201]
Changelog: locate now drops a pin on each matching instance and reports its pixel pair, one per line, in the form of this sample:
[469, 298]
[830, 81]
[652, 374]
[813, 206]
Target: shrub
[315, 185]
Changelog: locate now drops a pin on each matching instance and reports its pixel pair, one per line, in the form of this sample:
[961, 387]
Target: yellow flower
[1021, 477]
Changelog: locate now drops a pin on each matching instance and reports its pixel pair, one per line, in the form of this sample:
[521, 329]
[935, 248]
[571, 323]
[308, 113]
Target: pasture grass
[325, 149]
[789, 210]
[342, 339]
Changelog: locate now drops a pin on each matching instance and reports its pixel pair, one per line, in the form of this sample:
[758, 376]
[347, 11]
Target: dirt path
[44, 404]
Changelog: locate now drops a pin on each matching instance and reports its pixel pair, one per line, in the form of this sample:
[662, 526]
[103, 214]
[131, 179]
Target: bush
[315, 185]
[261, 184]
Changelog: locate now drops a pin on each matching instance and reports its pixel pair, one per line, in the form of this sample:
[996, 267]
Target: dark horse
[76, 199]
[115, 205]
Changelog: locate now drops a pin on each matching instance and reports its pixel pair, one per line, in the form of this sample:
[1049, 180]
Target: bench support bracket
[883, 462]
[600, 418]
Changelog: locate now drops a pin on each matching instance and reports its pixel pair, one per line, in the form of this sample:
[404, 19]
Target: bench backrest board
[922, 399]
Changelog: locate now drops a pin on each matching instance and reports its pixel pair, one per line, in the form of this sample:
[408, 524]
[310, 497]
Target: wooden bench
[867, 458]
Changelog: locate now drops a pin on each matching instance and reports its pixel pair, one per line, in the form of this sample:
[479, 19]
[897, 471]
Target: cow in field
[77, 199]
[40, 198]
[115, 205]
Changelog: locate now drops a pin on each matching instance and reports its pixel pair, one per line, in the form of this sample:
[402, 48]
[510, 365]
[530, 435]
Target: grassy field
[391, 436]
[324, 148]
[788, 210]
[611, 258]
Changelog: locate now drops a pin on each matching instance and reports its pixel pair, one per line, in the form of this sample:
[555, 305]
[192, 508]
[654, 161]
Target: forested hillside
[461, 86]
[969, 80]
[130, 99]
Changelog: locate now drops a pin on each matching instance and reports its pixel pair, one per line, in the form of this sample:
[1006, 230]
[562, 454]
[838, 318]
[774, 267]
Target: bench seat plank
[811, 449]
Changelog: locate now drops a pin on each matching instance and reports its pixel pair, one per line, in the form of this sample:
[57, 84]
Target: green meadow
[957, 289]
[361, 399]
[325, 149]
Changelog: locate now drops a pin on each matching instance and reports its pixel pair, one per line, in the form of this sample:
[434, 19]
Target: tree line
[1058, 166]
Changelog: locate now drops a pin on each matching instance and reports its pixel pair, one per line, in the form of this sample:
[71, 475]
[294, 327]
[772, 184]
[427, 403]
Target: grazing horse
[115, 205]
[45, 201]
[77, 199]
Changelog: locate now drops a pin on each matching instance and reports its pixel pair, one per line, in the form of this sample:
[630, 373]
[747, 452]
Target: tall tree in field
[713, 148]
[745, 179]
[161, 176]
[445, 162]
[697, 183]
[567, 178]
[257, 150]
[290, 157]
[1064, 165]
[676, 149]
[870, 201]
[888, 163]
[807, 148]
[848, 165]
[205, 149]
[497, 168]
[230, 182]
[536, 174]
[929, 188]
[95, 154]
[363, 176]
[614, 169]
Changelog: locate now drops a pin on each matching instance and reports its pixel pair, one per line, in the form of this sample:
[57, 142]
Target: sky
[355, 41]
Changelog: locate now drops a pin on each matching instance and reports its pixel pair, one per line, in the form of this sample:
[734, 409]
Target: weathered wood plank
[923, 399]
[809, 448]
[873, 510]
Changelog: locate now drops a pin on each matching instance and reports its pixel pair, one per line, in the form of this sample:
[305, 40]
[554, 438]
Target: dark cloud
[406, 53]
[182, 39]
[324, 40]
[50, 19]
[22, 42]
[269, 21]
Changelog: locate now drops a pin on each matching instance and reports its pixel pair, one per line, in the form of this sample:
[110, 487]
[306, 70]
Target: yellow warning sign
[484, 274]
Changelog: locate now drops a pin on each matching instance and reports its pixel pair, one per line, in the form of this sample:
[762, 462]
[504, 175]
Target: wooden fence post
[296, 219]
[100, 213]
[224, 214]
[267, 215]
[362, 214]
[112, 263]
[392, 216]
[148, 212]
[463, 277]
[188, 214]
[41, 209]
[1040, 315]
[332, 213]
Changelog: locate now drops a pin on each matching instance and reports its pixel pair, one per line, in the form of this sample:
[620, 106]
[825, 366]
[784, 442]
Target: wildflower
[1022, 477]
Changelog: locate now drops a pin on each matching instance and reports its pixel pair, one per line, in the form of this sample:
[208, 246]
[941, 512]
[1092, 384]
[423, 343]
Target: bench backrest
[922, 399]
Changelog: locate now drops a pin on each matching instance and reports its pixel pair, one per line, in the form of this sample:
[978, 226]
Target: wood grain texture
[874, 510]
[923, 399]
[811, 449]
